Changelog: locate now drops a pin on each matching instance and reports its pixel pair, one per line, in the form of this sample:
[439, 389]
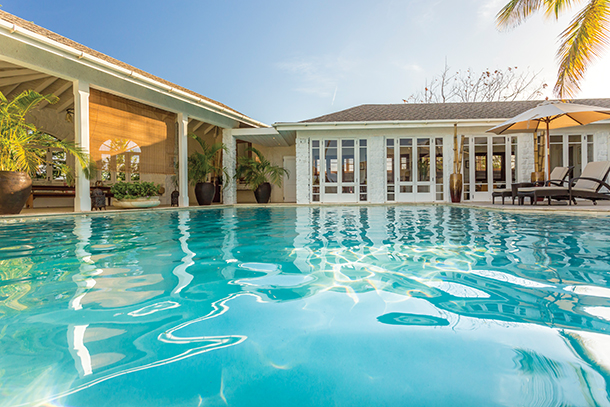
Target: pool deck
[583, 208]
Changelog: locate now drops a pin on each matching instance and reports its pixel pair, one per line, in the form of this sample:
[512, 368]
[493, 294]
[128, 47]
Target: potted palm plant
[201, 168]
[256, 172]
[23, 150]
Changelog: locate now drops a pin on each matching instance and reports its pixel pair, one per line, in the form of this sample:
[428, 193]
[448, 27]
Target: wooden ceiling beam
[65, 103]
[4, 64]
[21, 79]
[10, 89]
[16, 72]
[58, 91]
[45, 84]
[207, 130]
[197, 126]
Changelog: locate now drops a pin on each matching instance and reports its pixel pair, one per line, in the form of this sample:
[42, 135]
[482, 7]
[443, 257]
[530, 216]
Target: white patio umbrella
[554, 115]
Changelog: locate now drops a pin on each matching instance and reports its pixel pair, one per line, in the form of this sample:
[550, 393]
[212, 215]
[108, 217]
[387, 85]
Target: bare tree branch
[488, 86]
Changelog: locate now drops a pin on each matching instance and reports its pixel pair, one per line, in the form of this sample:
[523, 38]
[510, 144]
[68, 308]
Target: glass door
[404, 170]
[425, 175]
[411, 169]
[489, 163]
[337, 179]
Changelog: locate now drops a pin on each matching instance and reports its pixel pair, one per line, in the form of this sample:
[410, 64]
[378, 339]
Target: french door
[490, 162]
[414, 169]
[339, 170]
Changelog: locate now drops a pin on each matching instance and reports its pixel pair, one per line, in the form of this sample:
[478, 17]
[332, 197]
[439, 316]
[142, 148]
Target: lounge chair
[558, 177]
[587, 186]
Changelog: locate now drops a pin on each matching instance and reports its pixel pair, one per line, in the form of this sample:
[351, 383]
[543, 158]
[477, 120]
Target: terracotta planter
[263, 193]
[15, 188]
[455, 187]
[204, 192]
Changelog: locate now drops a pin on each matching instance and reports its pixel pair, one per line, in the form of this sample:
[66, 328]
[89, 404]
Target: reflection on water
[315, 305]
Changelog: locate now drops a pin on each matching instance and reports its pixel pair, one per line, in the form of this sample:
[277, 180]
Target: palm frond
[201, 165]
[581, 43]
[554, 8]
[516, 11]
[257, 171]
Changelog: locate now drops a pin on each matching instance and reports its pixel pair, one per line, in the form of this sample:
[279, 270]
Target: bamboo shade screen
[125, 125]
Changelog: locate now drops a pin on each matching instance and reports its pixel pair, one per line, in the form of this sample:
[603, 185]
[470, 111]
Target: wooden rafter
[57, 91]
[45, 84]
[198, 125]
[65, 100]
[10, 89]
[207, 130]
[4, 64]
[21, 79]
[16, 72]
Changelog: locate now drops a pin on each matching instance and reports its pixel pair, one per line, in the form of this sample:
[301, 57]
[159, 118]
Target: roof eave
[385, 124]
[130, 74]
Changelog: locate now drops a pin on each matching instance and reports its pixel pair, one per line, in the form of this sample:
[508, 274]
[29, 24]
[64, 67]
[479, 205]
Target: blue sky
[280, 61]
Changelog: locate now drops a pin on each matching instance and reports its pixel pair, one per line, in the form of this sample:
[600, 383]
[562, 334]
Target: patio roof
[14, 78]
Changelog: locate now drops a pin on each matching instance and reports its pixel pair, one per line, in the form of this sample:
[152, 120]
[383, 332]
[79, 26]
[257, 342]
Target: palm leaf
[257, 171]
[581, 43]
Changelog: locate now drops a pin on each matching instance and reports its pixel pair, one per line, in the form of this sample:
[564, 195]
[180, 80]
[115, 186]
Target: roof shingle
[439, 111]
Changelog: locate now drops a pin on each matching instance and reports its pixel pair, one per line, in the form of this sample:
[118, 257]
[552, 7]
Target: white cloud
[317, 76]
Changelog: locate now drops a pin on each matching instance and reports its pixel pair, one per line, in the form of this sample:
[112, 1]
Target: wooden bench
[59, 191]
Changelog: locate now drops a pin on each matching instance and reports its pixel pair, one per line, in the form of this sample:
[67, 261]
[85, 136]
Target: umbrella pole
[548, 152]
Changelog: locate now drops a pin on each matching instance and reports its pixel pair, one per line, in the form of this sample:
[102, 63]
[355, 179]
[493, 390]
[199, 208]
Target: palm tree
[22, 145]
[203, 164]
[256, 171]
[581, 42]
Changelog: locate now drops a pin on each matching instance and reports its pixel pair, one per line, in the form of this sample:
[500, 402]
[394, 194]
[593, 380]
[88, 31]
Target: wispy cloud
[318, 75]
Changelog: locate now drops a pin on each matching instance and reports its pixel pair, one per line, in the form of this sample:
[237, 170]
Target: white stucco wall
[525, 157]
[229, 195]
[303, 166]
[600, 148]
[376, 169]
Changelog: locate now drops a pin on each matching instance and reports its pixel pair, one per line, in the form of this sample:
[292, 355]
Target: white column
[377, 169]
[525, 157]
[229, 192]
[303, 168]
[82, 201]
[183, 147]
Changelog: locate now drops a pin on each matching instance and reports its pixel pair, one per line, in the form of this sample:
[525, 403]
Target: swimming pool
[305, 306]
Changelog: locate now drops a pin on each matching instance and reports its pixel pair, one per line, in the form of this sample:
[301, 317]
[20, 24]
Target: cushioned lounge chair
[558, 178]
[587, 186]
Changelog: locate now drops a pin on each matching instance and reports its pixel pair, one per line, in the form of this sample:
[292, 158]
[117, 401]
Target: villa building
[405, 152]
[135, 126]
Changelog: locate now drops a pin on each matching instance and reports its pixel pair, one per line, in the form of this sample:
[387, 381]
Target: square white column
[82, 201]
[303, 170]
[183, 146]
[229, 192]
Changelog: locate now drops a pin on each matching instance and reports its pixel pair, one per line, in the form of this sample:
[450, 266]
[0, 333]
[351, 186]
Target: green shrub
[130, 190]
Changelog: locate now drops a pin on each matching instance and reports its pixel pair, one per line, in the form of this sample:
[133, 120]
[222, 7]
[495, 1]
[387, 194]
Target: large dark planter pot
[205, 191]
[15, 188]
[263, 193]
[455, 187]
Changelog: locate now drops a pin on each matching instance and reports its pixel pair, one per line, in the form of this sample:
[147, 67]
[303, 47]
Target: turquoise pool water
[306, 306]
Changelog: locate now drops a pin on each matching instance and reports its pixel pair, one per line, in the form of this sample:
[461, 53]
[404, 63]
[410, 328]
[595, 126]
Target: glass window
[363, 170]
[406, 160]
[423, 159]
[330, 158]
